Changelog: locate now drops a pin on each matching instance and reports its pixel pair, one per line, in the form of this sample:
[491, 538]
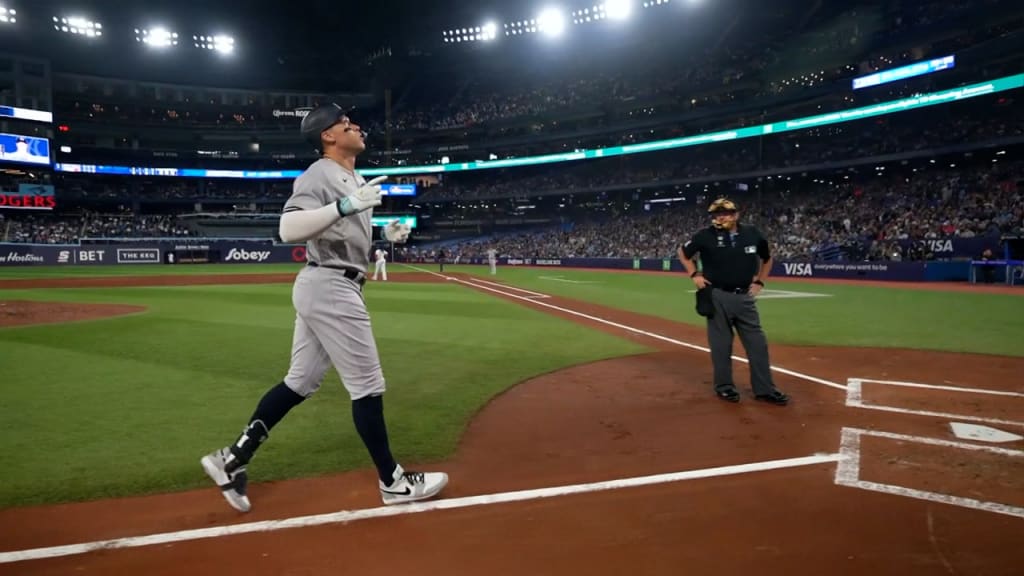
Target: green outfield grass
[851, 315]
[127, 406]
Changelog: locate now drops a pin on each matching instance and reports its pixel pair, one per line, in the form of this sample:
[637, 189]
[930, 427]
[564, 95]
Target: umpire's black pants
[739, 311]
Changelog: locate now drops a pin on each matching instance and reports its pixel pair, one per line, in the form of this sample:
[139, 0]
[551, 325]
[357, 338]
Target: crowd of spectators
[868, 218]
[857, 221]
[908, 132]
[70, 228]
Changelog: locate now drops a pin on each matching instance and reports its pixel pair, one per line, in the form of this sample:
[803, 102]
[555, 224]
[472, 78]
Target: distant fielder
[492, 260]
[380, 264]
[330, 209]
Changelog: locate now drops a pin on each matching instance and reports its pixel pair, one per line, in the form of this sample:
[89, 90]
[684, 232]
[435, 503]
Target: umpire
[735, 259]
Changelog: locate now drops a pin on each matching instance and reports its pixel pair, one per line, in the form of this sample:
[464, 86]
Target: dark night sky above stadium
[306, 44]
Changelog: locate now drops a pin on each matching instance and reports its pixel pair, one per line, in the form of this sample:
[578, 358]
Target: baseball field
[572, 409]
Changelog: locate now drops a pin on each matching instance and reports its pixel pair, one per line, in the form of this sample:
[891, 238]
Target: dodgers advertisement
[24, 149]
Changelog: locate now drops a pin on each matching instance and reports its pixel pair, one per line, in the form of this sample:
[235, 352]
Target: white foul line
[792, 373]
[854, 398]
[507, 287]
[346, 516]
[848, 471]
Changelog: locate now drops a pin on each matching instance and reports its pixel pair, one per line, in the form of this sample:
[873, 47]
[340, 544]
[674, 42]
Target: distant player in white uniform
[492, 260]
[380, 264]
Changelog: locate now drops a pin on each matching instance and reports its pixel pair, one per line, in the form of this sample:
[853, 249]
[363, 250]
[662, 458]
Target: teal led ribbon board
[891, 107]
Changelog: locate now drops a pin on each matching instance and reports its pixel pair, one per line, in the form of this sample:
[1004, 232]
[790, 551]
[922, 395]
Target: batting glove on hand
[366, 197]
[397, 232]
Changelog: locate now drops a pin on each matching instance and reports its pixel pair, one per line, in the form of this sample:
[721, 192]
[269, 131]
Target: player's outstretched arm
[301, 225]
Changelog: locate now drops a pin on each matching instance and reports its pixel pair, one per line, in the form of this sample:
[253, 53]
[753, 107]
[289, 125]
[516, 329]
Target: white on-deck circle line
[345, 516]
[632, 329]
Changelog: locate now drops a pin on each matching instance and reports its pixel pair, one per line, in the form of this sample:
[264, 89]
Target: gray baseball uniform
[332, 324]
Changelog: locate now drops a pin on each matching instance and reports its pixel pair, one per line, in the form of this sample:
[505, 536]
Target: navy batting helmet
[319, 119]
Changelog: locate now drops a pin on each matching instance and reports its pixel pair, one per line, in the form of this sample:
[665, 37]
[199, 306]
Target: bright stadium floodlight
[489, 31]
[156, 37]
[618, 9]
[220, 43]
[8, 15]
[78, 25]
[551, 22]
[224, 44]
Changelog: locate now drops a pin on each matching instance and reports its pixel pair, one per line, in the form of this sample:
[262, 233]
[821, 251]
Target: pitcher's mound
[25, 312]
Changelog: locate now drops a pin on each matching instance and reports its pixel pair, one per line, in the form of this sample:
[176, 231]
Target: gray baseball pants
[332, 326]
[738, 311]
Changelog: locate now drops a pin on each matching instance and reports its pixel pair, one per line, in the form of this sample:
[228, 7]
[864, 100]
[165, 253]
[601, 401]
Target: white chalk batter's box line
[848, 471]
[855, 399]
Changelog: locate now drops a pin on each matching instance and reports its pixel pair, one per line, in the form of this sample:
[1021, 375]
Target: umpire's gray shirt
[347, 243]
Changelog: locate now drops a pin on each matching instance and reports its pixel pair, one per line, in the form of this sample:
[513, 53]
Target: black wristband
[697, 273]
[759, 283]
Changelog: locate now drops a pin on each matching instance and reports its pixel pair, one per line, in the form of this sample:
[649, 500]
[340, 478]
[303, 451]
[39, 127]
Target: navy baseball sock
[368, 415]
[275, 404]
[271, 409]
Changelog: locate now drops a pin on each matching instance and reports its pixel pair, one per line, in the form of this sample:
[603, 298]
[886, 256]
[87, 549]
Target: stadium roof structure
[318, 45]
[304, 44]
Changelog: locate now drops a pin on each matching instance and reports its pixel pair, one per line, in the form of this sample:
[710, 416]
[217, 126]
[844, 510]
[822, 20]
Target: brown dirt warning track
[638, 416]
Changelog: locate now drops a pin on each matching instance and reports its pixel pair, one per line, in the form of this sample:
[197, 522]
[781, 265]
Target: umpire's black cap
[319, 119]
[722, 205]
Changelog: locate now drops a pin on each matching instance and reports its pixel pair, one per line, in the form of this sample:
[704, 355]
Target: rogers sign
[27, 201]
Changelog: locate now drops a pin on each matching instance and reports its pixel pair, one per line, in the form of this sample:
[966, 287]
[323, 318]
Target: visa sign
[797, 269]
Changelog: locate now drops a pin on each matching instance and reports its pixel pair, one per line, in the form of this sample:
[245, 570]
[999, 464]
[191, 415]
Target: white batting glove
[397, 232]
[366, 197]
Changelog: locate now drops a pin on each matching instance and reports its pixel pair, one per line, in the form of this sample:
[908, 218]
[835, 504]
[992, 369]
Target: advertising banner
[26, 255]
[29, 197]
[900, 271]
[257, 252]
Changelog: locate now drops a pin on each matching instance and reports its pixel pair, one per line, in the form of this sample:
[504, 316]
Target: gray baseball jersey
[332, 325]
[347, 243]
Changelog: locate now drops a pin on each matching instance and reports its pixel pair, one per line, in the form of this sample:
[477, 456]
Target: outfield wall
[162, 252]
[266, 252]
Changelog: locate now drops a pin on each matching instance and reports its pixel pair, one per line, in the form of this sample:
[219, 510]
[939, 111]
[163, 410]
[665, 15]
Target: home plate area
[964, 469]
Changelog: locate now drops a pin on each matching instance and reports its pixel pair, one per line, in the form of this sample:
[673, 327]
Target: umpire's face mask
[725, 219]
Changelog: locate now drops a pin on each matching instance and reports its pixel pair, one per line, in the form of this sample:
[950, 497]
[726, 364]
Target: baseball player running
[380, 264]
[330, 208]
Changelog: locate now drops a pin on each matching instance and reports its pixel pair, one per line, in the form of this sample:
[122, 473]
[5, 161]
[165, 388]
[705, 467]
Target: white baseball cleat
[412, 486]
[232, 484]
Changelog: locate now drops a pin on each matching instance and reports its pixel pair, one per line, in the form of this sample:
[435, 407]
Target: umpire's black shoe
[775, 397]
[728, 394]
